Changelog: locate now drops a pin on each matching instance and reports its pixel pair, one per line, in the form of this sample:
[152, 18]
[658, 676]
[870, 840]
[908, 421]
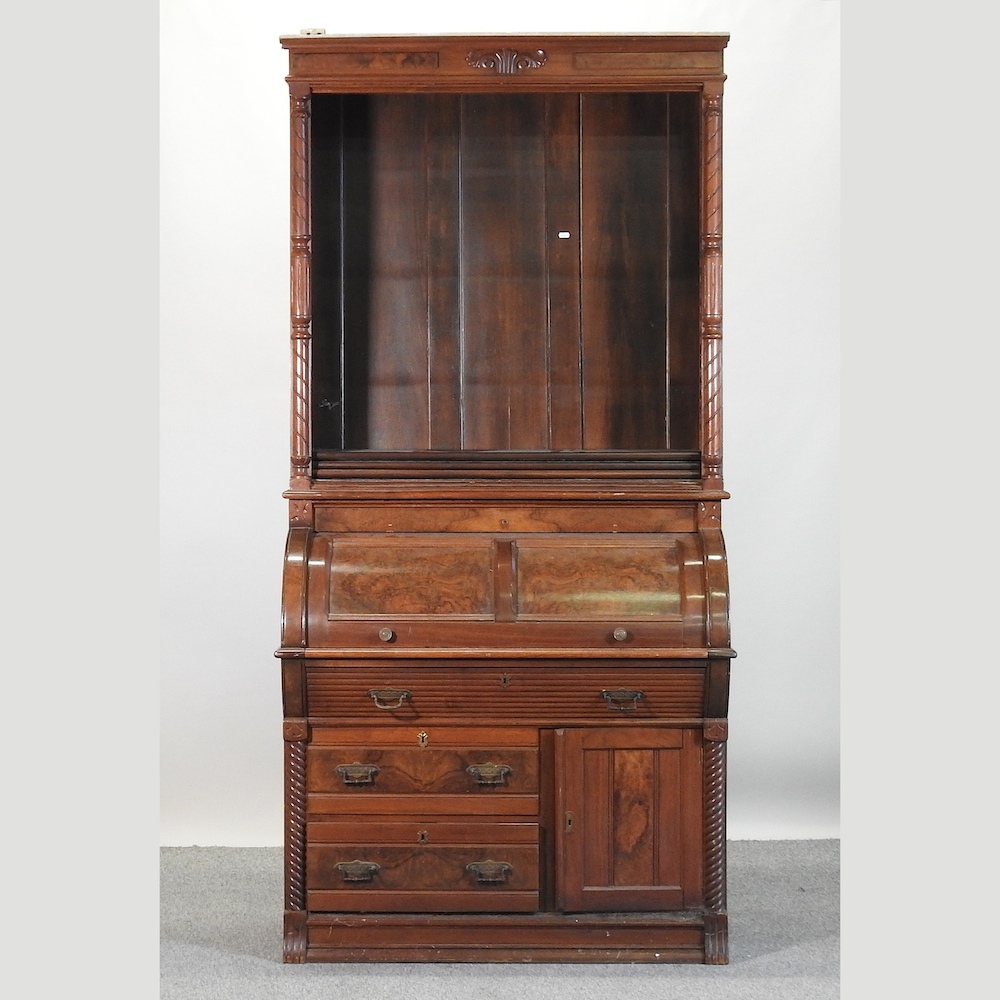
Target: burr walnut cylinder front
[505, 636]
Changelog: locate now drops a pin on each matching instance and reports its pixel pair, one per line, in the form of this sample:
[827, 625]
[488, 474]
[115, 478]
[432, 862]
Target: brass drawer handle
[358, 871]
[620, 634]
[358, 774]
[489, 774]
[386, 634]
[382, 695]
[623, 701]
[490, 872]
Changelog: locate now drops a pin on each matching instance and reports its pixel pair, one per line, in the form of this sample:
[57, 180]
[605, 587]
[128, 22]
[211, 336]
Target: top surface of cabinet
[489, 62]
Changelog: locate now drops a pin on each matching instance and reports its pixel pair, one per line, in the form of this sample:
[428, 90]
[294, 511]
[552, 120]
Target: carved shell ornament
[506, 62]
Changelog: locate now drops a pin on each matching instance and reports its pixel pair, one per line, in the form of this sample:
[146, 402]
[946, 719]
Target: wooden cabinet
[505, 632]
[631, 806]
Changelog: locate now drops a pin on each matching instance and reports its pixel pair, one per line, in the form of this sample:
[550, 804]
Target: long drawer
[366, 771]
[453, 770]
[418, 865]
[541, 693]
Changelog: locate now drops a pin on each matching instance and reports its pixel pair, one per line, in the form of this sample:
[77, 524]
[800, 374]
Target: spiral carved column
[716, 921]
[295, 813]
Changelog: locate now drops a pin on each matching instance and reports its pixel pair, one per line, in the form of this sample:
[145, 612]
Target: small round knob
[386, 634]
[620, 635]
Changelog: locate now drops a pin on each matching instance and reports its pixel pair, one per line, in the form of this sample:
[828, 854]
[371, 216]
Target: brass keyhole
[422, 739]
[421, 836]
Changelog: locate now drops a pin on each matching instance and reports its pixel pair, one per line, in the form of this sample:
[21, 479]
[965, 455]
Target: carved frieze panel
[506, 62]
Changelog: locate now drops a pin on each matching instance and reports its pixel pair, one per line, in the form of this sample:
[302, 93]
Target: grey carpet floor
[220, 939]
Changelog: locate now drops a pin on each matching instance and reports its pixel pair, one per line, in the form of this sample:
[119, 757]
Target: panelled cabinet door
[629, 819]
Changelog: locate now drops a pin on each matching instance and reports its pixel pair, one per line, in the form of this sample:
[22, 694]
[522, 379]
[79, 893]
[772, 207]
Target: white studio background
[224, 382]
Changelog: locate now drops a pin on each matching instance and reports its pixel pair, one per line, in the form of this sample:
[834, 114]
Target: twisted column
[295, 813]
[715, 824]
[714, 806]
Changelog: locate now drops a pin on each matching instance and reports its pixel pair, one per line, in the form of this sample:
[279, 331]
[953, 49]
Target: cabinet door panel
[629, 819]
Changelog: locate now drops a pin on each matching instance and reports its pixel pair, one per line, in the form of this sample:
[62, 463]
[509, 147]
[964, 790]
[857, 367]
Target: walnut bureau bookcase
[505, 616]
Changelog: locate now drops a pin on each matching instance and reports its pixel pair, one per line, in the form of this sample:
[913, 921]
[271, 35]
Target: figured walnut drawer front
[544, 693]
[407, 867]
[423, 767]
[456, 770]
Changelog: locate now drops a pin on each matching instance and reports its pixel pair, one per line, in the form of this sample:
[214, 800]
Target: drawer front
[361, 772]
[417, 693]
[415, 866]
[542, 517]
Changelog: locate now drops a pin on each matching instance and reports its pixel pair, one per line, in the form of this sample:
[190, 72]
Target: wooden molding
[716, 939]
[295, 937]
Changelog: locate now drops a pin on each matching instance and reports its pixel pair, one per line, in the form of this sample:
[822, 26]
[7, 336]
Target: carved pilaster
[293, 686]
[301, 263]
[711, 290]
[300, 121]
[301, 363]
[714, 773]
[296, 733]
[717, 686]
